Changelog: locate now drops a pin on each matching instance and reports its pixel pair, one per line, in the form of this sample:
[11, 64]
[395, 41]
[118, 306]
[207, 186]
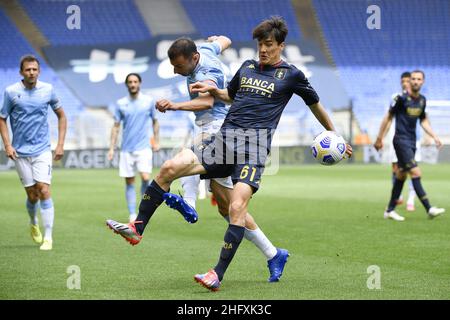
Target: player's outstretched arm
[384, 128]
[203, 87]
[425, 123]
[204, 101]
[62, 129]
[322, 116]
[10, 151]
[224, 42]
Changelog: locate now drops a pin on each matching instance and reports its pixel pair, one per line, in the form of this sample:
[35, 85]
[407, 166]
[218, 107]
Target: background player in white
[138, 115]
[26, 104]
[204, 66]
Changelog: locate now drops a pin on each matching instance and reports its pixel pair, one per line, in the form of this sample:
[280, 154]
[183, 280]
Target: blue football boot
[276, 264]
[178, 203]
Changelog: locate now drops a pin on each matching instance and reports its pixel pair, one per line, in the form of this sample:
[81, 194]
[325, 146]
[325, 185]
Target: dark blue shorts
[221, 160]
[406, 152]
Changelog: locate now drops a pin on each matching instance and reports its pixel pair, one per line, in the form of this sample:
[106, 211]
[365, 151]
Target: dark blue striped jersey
[407, 110]
[260, 94]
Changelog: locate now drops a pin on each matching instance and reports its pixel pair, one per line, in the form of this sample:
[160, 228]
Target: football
[328, 148]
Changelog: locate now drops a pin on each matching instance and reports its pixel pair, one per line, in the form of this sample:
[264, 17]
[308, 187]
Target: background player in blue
[202, 64]
[26, 104]
[259, 92]
[407, 109]
[138, 115]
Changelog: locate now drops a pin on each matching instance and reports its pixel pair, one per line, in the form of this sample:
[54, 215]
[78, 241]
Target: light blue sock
[130, 194]
[48, 216]
[144, 186]
[32, 211]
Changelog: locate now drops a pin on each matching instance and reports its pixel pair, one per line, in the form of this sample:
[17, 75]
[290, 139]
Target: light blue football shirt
[137, 116]
[27, 111]
[210, 68]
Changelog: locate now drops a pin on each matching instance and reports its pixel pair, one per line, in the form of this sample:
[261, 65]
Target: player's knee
[43, 191]
[401, 175]
[168, 169]
[33, 196]
[238, 207]
[415, 172]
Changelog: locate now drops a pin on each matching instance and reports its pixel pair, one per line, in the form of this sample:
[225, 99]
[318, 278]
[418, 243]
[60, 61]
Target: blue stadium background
[367, 63]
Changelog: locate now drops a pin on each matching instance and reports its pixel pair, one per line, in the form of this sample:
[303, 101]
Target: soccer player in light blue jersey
[204, 66]
[138, 115]
[201, 64]
[26, 105]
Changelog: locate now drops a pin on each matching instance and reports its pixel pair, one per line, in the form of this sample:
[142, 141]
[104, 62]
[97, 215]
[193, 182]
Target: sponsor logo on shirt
[262, 87]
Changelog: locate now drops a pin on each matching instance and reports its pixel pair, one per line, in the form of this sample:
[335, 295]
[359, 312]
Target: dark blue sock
[151, 200]
[421, 193]
[232, 239]
[396, 191]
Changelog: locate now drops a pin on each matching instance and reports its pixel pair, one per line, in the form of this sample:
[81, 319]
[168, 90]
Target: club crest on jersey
[280, 74]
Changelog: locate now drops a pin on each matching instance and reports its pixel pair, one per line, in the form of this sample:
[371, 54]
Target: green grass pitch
[329, 218]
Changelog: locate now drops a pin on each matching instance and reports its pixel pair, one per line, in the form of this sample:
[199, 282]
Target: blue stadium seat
[236, 19]
[102, 21]
[413, 35]
[15, 46]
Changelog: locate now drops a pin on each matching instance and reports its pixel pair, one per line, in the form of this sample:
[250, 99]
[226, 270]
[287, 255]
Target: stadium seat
[370, 62]
[237, 19]
[9, 73]
[102, 21]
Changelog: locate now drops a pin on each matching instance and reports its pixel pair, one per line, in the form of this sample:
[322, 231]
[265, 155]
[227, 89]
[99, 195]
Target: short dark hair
[133, 74]
[406, 74]
[419, 71]
[275, 26]
[28, 58]
[182, 47]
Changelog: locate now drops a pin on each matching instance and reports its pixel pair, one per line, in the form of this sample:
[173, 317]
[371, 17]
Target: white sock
[260, 240]
[32, 211]
[48, 215]
[202, 189]
[190, 187]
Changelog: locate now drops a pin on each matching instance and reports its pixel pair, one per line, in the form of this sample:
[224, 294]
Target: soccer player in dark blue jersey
[258, 94]
[407, 108]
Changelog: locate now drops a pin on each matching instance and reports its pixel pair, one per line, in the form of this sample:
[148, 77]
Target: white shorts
[417, 156]
[225, 182]
[141, 160]
[35, 169]
[211, 128]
